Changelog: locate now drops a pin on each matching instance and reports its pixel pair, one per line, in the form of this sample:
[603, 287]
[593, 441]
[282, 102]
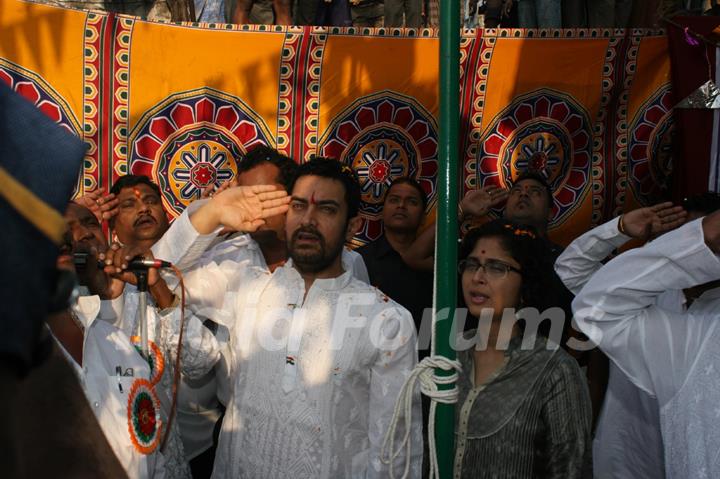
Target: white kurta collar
[86, 309]
[328, 284]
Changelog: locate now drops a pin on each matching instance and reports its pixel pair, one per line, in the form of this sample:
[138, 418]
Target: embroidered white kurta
[107, 350]
[185, 246]
[314, 383]
[313, 392]
[672, 356]
[198, 398]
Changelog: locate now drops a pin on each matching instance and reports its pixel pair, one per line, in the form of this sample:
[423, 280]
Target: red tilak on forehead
[312, 199]
[137, 192]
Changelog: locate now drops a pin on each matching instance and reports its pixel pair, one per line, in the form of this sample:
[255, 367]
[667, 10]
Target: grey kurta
[531, 419]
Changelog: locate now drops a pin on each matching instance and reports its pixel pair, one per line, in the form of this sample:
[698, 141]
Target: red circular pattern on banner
[383, 137]
[192, 140]
[650, 148]
[37, 91]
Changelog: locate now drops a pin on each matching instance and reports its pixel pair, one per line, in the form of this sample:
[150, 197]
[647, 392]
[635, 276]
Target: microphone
[139, 262]
[80, 260]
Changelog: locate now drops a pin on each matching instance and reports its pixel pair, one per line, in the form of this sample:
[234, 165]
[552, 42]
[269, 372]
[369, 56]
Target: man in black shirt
[403, 212]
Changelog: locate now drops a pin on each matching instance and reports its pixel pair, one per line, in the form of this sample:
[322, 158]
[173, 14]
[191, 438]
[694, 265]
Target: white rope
[425, 373]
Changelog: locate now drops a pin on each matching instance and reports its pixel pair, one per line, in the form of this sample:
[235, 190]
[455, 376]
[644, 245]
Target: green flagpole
[447, 228]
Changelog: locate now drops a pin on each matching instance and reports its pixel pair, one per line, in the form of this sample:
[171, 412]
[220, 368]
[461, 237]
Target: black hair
[264, 154]
[335, 170]
[406, 180]
[705, 203]
[128, 181]
[524, 245]
[540, 178]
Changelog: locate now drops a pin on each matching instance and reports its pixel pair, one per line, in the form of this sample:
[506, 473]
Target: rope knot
[424, 372]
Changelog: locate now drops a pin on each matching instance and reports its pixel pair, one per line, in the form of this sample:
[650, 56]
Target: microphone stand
[142, 287]
[140, 267]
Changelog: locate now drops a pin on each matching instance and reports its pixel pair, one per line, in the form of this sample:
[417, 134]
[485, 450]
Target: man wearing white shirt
[318, 357]
[264, 248]
[139, 222]
[138, 225]
[103, 357]
[672, 356]
[627, 442]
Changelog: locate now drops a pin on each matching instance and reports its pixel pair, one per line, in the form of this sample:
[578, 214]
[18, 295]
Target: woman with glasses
[524, 409]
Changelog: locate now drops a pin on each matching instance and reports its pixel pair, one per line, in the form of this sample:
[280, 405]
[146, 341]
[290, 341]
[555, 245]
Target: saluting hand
[652, 221]
[478, 202]
[242, 208]
[102, 206]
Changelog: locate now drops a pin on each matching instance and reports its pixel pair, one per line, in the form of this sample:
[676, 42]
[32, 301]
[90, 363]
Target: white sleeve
[212, 287]
[584, 256]
[181, 244]
[655, 347]
[210, 275]
[388, 375]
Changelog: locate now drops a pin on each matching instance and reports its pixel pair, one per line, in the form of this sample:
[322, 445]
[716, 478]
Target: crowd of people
[247, 339]
[474, 13]
[282, 352]
[410, 13]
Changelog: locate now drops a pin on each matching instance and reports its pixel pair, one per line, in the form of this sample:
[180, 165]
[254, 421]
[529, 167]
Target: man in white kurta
[627, 441]
[318, 357]
[138, 224]
[108, 346]
[672, 356]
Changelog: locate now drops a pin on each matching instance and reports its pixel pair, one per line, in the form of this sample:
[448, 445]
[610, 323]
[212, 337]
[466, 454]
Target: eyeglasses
[493, 269]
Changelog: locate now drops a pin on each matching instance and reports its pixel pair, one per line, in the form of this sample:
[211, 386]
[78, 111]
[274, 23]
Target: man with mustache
[264, 248]
[139, 224]
[139, 221]
[102, 356]
[267, 247]
[318, 357]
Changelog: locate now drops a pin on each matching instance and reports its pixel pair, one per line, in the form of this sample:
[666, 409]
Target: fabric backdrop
[182, 103]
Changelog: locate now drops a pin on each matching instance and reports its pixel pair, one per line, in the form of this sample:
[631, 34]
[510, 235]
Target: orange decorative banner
[183, 103]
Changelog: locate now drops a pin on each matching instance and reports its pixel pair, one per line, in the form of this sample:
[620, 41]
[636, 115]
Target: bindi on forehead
[312, 199]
